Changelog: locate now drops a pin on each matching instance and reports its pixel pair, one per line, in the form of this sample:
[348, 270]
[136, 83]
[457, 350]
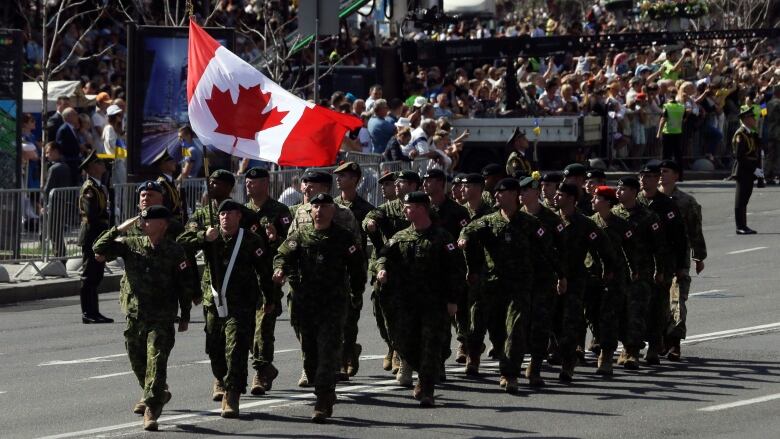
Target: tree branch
[78, 42]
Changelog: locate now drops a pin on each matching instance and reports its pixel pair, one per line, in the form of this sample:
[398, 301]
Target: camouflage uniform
[229, 338]
[691, 214]
[277, 214]
[318, 264]
[152, 291]
[423, 278]
[649, 241]
[476, 291]
[677, 255]
[507, 247]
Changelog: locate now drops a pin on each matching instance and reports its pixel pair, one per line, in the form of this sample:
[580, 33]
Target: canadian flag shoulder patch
[352, 249]
[463, 223]
[286, 220]
[670, 215]
[450, 246]
[559, 228]
[253, 228]
[540, 232]
[593, 235]
[259, 251]
[183, 265]
[629, 234]
[655, 226]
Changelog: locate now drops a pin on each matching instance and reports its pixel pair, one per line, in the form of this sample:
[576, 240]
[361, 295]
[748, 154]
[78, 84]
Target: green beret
[435, 173]
[316, 176]
[387, 176]
[149, 185]
[629, 181]
[321, 198]
[574, 170]
[257, 173]
[224, 176]
[348, 167]
[156, 212]
[651, 168]
[569, 189]
[670, 164]
[529, 183]
[552, 177]
[595, 173]
[417, 197]
[229, 204]
[473, 178]
[409, 176]
[507, 184]
[492, 169]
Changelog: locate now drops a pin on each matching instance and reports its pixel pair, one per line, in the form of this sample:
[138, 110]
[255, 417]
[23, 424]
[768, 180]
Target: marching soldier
[236, 259]
[595, 285]
[746, 149]
[174, 198]
[518, 160]
[677, 252]
[576, 174]
[419, 269]
[691, 214]
[550, 182]
[153, 290]
[348, 177]
[387, 186]
[318, 258]
[271, 220]
[220, 185]
[493, 173]
[95, 215]
[649, 241]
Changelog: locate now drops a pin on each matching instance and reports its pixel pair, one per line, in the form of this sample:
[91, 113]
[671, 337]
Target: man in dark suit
[69, 143]
[55, 121]
[58, 176]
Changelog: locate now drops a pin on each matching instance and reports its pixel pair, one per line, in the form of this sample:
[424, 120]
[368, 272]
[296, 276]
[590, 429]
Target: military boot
[218, 390]
[509, 384]
[426, 398]
[472, 364]
[151, 415]
[396, 363]
[323, 407]
[257, 385]
[622, 357]
[387, 363]
[674, 350]
[533, 373]
[460, 356]
[651, 356]
[605, 363]
[567, 370]
[140, 407]
[230, 404]
[404, 376]
[632, 359]
[353, 364]
[417, 393]
[268, 374]
[303, 381]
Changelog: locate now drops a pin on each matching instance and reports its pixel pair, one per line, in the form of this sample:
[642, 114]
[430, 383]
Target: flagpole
[316, 52]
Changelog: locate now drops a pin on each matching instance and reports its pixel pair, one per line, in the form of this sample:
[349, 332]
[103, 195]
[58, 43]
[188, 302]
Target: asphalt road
[59, 378]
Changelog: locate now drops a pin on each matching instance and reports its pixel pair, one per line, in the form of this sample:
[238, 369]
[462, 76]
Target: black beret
[257, 173]
[650, 168]
[507, 184]
[163, 156]
[90, 158]
[417, 197]
[315, 176]
[574, 170]
[409, 176]
[670, 164]
[458, 179]
[321, 198]
[629, 181]
[224, 176]
[387, 176]
[435, 173]
[595, 173]
[529, 183]
[492, 169]
[473, 178]
[569, 189]
[156, 212]
[150, 185]
[229, 204]
[552, 177]
[348, 167]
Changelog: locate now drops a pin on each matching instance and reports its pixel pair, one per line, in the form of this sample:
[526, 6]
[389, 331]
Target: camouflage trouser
[320, 330]
[507, 318]
[591, 301]
[658, 312]
[462, 320]
[351, 328]
[417, 336]
[379, 315]
[265, 327]
[633, 312]
[478, 318]
[681, 287]
[228, 340]
[568, 318]
[148, 345]
[541, 308]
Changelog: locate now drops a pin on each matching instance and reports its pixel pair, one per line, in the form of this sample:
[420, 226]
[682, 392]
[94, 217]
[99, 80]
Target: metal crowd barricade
[194, 190]
[364, 158]
[285, 185]
[239, 190]
[125, 201]
[64, 224]
[21, 227]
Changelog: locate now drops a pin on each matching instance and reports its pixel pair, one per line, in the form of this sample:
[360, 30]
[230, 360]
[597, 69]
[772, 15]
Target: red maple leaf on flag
[244, 118]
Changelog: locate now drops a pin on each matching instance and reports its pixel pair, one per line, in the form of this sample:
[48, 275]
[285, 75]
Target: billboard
[10, 108]
[157, 91]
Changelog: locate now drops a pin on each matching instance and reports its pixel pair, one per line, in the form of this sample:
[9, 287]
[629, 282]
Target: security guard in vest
[670, 130]
[95, 217]
[173, 198]
[746, 146]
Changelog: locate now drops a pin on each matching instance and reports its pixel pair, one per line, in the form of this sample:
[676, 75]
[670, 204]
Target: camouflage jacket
[203, 217]
[450, 215]
[691, 213]
[649, 239]
[583, 236]
[479, 212]
[673, 225]
[343, 218]
[422, 267]
[390, 219]
[271, 212]
[153, 286]
[360, 208]
[621, 236]
[553, 224]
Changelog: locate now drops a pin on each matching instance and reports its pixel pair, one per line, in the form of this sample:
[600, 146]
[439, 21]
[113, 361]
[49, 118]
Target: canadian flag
[237, 109]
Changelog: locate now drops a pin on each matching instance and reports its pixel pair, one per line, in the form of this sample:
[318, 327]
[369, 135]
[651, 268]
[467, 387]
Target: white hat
[113, 109]
[403, 122]
[419, 101]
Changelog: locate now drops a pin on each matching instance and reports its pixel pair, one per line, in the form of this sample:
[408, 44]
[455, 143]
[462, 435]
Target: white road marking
[3, 391]
[372, 357]
[704, 293]
[102, 359]
[736, 252]
[378, 387]
[731, 405]
[110, 375]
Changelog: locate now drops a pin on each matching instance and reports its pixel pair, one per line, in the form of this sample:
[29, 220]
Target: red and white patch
[559, 228]
[655, 226]
[183, 265]
[352, 249]
[670, 215]
[463, 223]
[286, 220]
[593, 236]
[629, 234]
[259, 251]
[450, 246]
[253, 228]
[540, 232]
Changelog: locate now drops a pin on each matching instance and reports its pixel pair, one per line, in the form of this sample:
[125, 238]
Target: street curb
[26, 291]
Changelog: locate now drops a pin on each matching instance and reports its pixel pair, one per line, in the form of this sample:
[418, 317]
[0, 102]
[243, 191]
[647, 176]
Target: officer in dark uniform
[518, 160]
[174, 198]
[95, 217]
[745, 144]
